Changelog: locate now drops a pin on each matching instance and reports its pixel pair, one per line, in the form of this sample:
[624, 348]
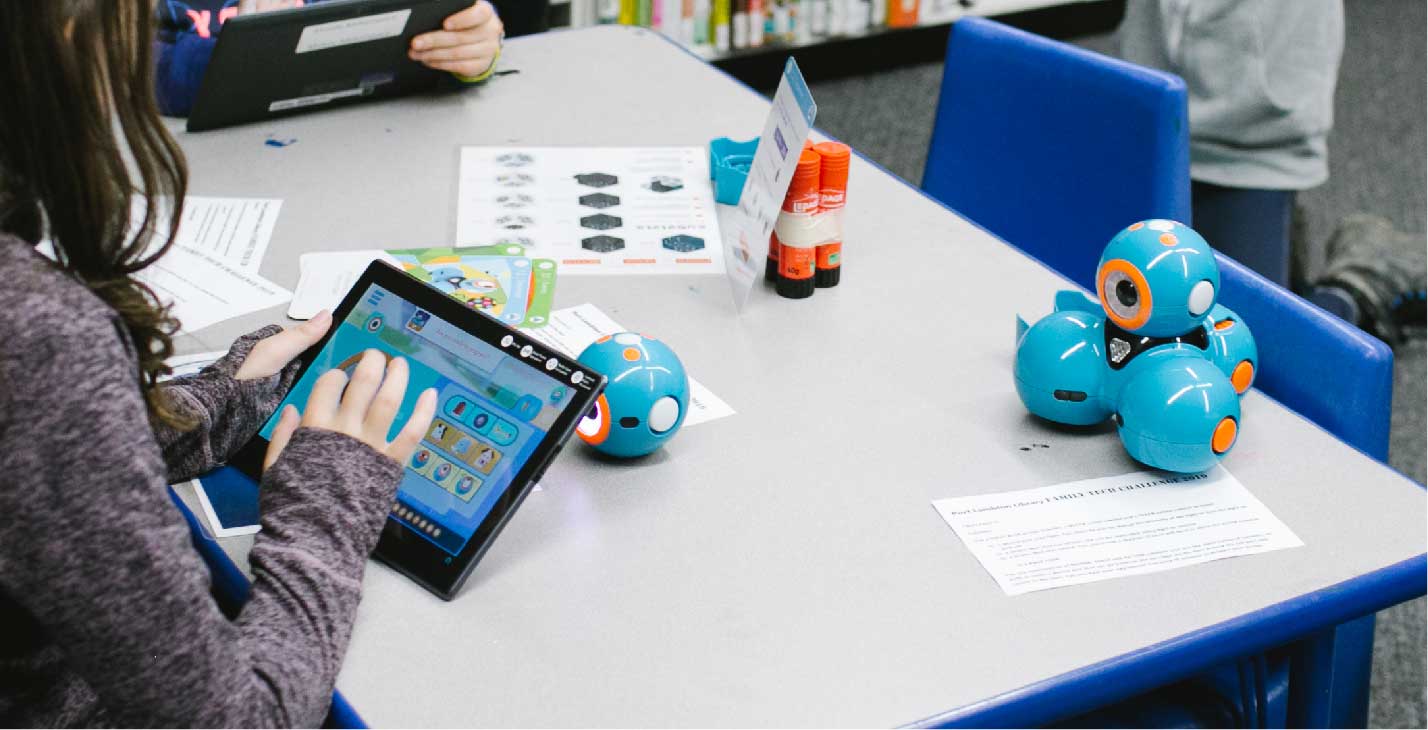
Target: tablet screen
[493, 410]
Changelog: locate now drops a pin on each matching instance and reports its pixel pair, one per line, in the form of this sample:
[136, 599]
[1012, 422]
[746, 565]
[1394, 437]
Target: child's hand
[262, 6]
[466, 45]
[272, 354]
[363, 408]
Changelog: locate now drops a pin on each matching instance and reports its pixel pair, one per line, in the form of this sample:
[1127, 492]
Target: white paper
[595, 210]
[325, 278]
[573, 329]
[210, 273]
[234, 230]
[185, 365]
[789, 120]
[1095, 529]
[322, 36]
[205, 290]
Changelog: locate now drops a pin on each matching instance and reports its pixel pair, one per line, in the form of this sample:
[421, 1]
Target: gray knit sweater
[105, 612]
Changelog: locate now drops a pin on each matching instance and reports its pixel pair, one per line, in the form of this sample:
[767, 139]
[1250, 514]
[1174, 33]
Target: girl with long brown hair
[105, 611]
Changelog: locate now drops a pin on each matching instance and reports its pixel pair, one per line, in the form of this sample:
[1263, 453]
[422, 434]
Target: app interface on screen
[492, 411]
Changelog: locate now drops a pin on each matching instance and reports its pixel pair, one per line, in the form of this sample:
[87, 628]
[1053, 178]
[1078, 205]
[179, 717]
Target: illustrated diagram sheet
[595, 210]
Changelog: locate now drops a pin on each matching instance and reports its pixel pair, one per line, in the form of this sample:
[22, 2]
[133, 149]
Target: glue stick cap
[835, 157]
[803, 189]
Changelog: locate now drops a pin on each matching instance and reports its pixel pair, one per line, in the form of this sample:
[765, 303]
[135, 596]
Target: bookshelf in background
[728, 29]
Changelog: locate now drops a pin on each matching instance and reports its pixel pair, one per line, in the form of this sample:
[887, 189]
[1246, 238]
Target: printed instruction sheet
[210, 273]
[595, 210]
[572, 330]
[233, 230]
[1095, 529]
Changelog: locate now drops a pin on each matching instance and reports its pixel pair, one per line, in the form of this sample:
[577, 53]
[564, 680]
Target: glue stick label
[830, 255]
[796, 262]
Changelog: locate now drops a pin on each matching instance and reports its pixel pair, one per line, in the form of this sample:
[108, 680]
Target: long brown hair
[80, 138]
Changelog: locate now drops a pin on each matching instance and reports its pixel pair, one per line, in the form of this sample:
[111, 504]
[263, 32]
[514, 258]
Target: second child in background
[467, 46]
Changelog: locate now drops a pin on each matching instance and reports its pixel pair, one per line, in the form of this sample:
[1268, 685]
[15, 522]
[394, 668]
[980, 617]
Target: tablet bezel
[400, 546]
[228, 91]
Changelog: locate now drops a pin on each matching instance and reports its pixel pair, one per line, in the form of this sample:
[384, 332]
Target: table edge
[1099, 684]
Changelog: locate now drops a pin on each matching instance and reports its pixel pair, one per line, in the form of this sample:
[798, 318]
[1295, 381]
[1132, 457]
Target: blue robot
[1156, 354]
[646, 400]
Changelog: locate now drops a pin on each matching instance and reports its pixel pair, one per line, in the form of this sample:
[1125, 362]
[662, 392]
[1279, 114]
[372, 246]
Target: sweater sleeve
[226, 412]
[91, 546]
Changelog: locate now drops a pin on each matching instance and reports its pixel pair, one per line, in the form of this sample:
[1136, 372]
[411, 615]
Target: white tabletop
[783, 566]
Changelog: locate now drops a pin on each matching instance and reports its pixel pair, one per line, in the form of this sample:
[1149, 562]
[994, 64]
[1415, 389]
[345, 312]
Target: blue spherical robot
[647, 398]
[1156, 354]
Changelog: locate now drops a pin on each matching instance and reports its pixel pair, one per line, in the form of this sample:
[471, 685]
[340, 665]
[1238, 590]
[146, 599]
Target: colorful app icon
[418, 321]
[503, 433]
[527, 407]
[441, 472]
[456, 406]
[421, 458]
[486, 457]
[465, 485]
[438, 430]
[463, 445]
[558, 394]
[481, 422]
[375, 323]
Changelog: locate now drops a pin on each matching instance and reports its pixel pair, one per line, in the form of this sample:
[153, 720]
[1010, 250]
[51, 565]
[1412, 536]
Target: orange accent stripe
[631, 354]
[1136, 226]
[1168, 239]
[1224, 324]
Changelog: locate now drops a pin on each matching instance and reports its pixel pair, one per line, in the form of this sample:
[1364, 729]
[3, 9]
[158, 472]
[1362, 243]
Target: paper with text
[1091, 530]
[234, 230]
[205, 290]
[594, 210]
[572, 330]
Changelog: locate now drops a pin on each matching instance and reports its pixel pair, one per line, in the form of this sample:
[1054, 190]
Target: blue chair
[1054, 148]
[230, 588]
[1341, 378]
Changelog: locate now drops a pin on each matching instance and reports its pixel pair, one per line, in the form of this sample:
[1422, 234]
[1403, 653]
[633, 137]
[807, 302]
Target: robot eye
[1202, 297]
[1124, 294]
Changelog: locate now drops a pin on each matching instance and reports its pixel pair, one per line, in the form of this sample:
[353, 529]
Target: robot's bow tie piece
[1156, 354]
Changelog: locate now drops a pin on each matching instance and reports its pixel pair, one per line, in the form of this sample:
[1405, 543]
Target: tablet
[505, 406]
[314, 57]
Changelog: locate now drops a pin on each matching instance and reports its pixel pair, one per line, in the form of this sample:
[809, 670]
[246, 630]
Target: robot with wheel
[1156, 354]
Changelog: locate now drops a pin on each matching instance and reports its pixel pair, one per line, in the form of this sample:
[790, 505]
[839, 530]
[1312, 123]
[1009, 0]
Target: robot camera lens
[629, 422]
[1126, 293]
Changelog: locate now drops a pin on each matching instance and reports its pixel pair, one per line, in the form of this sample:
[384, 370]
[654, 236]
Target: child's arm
[227, 411]
[95, 554]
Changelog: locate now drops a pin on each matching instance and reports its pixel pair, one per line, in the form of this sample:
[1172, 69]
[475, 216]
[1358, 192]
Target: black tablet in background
[506, 405]
[315, 57]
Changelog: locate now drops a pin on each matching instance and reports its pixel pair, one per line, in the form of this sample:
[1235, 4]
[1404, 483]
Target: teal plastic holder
[729, 163]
